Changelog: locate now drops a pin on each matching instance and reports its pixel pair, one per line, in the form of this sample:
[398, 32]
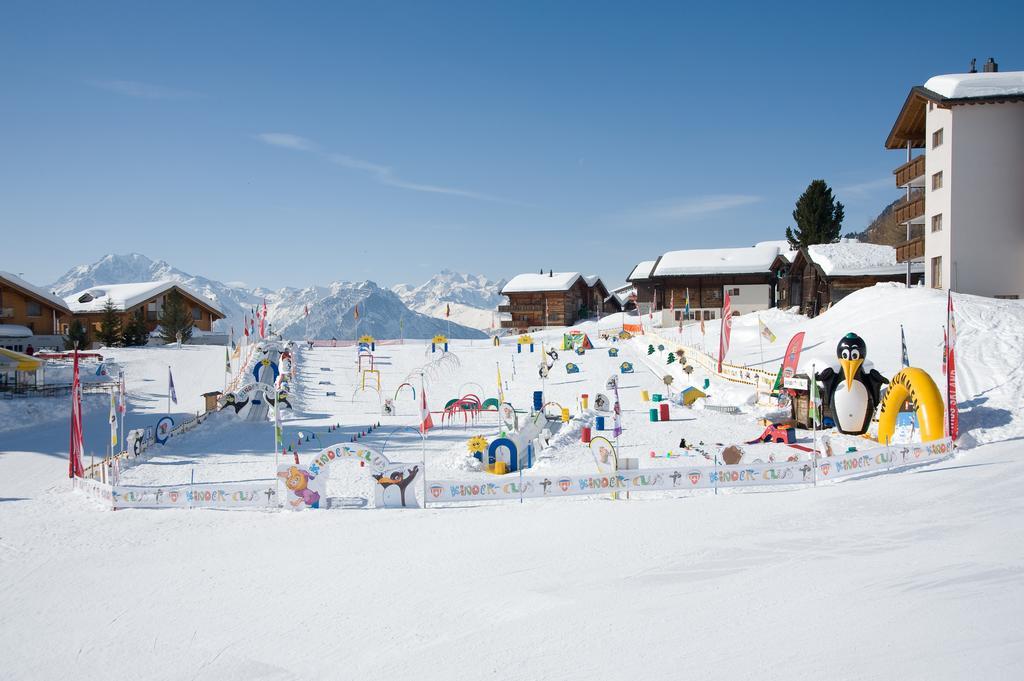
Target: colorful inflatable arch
[917, 386]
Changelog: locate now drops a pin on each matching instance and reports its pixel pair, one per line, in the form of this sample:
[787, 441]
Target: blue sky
[299, 143]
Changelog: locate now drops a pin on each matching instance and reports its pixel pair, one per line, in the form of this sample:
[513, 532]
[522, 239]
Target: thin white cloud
[383, 174]
[687, 208]
[865, 189]
[286, 140]
[139, 90]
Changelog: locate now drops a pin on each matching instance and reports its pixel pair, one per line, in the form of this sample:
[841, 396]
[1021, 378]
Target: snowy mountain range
[383, 313]
[473, 299]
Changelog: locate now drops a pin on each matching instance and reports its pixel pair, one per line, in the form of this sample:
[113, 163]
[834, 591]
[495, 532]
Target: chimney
[974, 65]
[991, 66]
[551, 273]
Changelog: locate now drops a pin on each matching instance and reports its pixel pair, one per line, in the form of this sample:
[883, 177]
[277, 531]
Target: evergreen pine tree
[176, 318]
[135, 332]
[818, 217]
[110, 326]
[77, 334]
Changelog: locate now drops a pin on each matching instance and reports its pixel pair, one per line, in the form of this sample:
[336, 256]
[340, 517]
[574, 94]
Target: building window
[937, 222]
[197, 313]
[937, 272]
[734, 292]
[937, 138]
[33, 308]
[1008, 296]
[937, 181]
[151, 314]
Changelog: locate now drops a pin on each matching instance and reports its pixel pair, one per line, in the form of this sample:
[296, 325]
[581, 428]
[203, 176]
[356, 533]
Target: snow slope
[990, 346]
[909, 575]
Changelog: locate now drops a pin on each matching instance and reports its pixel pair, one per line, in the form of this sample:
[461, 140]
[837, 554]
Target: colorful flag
[278, 440]
[686, 305]
[122, 393]
[945, 349]
[953, 419]
[790, 361]
[101, 370]
[355, 312]
[501, 390]
[170, 386]
[617, 425]
[75, 468]
[702, 326]
[766, 333]
[447, 310]
[654, 304]
[426, 423]
[113, 421]
[227, 360]
[723, 338]
[903, 343]
[306, 310]
[672, 300]
[231, 338]
[813, 413]
[245, 328]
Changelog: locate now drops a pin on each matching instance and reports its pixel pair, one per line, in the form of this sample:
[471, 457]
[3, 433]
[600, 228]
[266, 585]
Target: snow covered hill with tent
[913, 571]
[330, 307]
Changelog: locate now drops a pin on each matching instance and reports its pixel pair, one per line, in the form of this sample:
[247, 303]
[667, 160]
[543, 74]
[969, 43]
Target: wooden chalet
[552, 299]
[814, 278]
[145, 297]
[662, 285]
[26, 305]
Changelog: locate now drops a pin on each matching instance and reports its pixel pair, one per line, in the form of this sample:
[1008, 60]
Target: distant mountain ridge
[383, 314]
[472, 298]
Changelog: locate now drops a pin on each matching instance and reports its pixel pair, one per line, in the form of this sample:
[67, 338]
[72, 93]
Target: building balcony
[910, 211]
[910, 251]
[511, 324]
[504, 308]
[911, 173]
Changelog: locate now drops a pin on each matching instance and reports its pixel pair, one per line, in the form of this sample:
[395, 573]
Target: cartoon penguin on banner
[853, 392]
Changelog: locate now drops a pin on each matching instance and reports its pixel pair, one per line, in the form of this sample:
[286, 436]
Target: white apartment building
[964, 204]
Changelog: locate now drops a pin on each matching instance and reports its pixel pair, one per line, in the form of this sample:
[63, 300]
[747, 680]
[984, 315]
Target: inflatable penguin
[853, 392]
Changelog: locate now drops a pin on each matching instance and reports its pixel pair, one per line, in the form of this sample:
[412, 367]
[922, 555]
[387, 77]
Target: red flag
[953, 418]
[723, 339]
[355, 312]
[306, 310]
[426, 423]
[75, 468]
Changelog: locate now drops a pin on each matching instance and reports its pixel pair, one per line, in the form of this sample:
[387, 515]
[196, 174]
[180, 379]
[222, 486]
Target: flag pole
[168, 389]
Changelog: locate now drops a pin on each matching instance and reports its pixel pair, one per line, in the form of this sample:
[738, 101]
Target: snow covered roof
[15, 331]
[642, 270]
[534, 283]
[127, 296]
[18, 282]
[974, 85]
[854, 258]
[757, 258]
[591, 279]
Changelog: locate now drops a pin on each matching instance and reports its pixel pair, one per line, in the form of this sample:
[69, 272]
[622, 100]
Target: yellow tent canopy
[17, 361]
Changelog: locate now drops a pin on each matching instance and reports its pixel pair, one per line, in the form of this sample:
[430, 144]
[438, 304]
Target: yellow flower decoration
[477, 444]
[366, 339]
[525, 339]
[440, 339]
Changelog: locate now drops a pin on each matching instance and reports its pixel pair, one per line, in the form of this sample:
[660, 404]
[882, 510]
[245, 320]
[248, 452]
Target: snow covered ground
[912, 575]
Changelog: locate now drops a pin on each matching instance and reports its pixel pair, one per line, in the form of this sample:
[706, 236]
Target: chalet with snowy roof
[30, 316]
[813, 278]
[706, 274]
[552, 299]
[963, 206]
[146, 298]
